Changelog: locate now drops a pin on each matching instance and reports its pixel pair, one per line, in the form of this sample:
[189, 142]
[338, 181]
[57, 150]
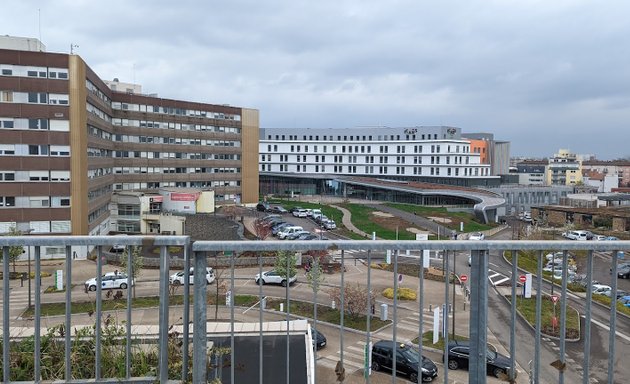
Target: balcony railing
[168, 337]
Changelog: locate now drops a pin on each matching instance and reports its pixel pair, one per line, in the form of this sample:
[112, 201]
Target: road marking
[627, 338]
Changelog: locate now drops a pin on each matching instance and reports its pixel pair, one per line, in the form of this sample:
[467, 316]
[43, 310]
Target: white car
[178, 278]
[601, 289]
[599, 237]
[110, 280]
[300, 213]
[273, 277]
[476, 236]
[329, 224]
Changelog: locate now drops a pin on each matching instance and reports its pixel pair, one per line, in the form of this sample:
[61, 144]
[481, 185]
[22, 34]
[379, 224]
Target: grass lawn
[363, 219]
[329, 315]
[56, 309]
[470, 225]
[527, 308]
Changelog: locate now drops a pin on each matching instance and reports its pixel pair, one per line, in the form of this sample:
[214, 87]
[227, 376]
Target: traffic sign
[555, 298]
[400, 275]
[522, 278]
[463, 278]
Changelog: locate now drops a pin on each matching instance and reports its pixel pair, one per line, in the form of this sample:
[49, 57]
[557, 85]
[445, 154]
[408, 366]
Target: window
[7, 72]
[7, 201]
[38, 150]
[6, 96]
[38, 124]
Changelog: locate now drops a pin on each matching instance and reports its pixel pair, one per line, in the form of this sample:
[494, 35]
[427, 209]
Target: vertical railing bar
[200, 335]
[99, 311]
[513, 315]
[186, 314]
[421, 312]
[130, 282]
[587, 324]
[395, 318]
[288, 315]
[445, 315]
[260, 321]
[478, 317]
[231, 304]
[539, 295]
[68, 328]
[563, 312]
[38, 313]
[163, 314]
[5, 315]
[369, 316]
[342, 308]
[613, 320]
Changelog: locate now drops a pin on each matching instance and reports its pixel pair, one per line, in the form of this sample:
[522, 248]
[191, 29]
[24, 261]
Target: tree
[137, 262]
[285, 264]
[14, 251]
[354, 297]
[263, 230]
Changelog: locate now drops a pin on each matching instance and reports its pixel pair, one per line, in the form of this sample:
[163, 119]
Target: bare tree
[15, 251]
[355, 298]
[263, 230]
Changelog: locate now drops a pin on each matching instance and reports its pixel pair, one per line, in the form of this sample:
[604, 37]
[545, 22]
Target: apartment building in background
[68, 143]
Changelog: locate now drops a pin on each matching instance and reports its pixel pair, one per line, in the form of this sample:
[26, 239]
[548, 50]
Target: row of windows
[34, 150]
[368, 148]
[174, 111]
[428, 136]
[54, 226]
[177, 184]
[166, 155]
[41, 124]
[93, 89]
[156, 170]
[24, 176]
[39, 72]
[99, 172]
[382, 170]
[172, 125]
[34, 201]
[175, 140]
[34, 98]
[370, 159]
[102, 191]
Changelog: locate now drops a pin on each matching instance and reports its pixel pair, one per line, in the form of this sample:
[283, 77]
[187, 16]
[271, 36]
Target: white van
[289, 230]
[578, 235]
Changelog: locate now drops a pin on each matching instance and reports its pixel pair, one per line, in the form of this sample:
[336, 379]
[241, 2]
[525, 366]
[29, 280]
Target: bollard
[281, 307]
[384, 312]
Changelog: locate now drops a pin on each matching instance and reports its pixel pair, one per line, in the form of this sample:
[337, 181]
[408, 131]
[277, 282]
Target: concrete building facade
[68, 142]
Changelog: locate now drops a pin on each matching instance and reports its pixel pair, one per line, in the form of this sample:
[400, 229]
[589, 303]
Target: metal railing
[198, 253]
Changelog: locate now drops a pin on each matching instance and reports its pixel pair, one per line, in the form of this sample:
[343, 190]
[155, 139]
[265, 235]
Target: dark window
[31, 73]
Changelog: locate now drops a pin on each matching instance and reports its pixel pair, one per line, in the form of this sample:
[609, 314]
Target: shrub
[403, 293]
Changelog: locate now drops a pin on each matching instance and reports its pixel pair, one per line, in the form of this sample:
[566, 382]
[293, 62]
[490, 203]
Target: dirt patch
[382, 214]
[443, 220]
[391, 222]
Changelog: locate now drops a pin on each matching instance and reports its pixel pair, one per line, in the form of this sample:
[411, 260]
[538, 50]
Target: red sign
[522, 278]
[555, 298]
[184, 196]
[463, 278]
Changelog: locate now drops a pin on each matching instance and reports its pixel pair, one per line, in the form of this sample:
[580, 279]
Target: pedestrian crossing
[497, 278]
[354, 354]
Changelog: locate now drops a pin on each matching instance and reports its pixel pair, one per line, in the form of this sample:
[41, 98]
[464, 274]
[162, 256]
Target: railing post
[200, 336]
[478, 316]
[163, 315]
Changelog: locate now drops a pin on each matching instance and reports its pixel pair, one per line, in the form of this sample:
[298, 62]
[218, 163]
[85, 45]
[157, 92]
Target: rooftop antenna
[72, 47]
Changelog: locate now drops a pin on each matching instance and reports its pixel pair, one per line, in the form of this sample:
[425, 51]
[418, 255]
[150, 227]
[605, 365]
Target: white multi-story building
[430, 154]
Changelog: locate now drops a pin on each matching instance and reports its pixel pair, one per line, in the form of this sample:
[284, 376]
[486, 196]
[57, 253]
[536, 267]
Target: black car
[407, 359]
[624, 272]
[263, 206]
[319, 340]
[496, 364]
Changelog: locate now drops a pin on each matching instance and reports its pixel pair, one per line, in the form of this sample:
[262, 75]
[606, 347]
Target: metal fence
[196, 254]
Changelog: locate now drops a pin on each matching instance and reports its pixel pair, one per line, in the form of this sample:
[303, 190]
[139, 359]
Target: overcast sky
[543, 75]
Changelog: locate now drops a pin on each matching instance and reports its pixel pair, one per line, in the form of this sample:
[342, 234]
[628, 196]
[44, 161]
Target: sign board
[388, 257]
[436, 324]
[522, 278]
[59, 280]
[528, 286]
[555, 298]
[463, 278]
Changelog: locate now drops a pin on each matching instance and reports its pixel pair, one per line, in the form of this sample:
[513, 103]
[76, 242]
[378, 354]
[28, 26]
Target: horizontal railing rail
[197, 254]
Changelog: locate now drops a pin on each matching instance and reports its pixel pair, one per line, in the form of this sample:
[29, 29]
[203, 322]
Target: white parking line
[625, 337]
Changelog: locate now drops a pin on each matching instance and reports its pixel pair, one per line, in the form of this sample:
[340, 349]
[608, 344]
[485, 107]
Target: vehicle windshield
[411, 355]
[491, 355]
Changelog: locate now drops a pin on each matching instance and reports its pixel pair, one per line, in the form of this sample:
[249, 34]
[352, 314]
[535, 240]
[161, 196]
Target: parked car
[407, 359]
[624, 273]
[316, 214]
[300, 213]
[263, 206]
[611, 238]
[179, 277]
[295, 235]
[110, 280]
[476, 236]
[307, 236]
[295, 209]
[601, 289]
[625, 300]
[282, 234]
[599, 237]
[458, 357]
[273, 277]
[271, 217]
[279, 227]
[279, 210]
[329, 224]
[319, 340]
